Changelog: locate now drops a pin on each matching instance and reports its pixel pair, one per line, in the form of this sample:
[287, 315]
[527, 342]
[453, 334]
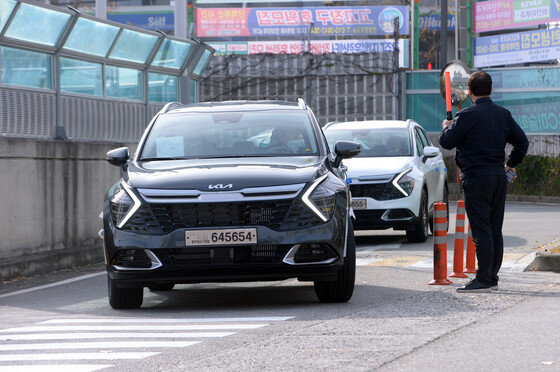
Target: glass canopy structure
[49, 47]
[65, 74]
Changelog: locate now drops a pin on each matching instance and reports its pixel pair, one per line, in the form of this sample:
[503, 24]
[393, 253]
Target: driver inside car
[285, 140]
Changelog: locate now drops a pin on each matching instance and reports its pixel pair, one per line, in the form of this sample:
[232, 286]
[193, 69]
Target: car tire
[419, 233]
[124, 298]
[445, 199]
[341, 289]
[161, 286]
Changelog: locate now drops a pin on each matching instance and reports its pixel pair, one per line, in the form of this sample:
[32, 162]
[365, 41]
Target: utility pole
[101, 9]
[443, 34]
[180, 19]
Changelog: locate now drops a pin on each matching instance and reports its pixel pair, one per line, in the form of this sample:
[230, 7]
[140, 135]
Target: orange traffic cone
[440, 245]
[459, 247]
[471, 255]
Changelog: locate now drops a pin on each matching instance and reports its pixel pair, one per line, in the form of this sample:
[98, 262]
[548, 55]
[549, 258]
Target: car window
[231, 134]
[425, 137]
[419, 143]
[375, 142]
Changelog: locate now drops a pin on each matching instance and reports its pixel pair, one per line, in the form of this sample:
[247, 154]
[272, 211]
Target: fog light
[135, 259]
[313, 253]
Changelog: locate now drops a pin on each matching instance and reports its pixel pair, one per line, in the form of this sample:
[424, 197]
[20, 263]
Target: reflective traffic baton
[471, 254]
[459, 247]
[440, 245]
[448, 95]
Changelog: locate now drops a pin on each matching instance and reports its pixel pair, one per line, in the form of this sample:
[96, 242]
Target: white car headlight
[320, 199]
[404, 183]
[123, 205]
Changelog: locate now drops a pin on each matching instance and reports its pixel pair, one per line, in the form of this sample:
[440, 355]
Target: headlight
[404, 183]
[123, 205]
[320, 199]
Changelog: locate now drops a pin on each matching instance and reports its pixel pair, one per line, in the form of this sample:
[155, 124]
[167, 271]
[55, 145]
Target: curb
[545, 262]
[46, 262]
[534, 199]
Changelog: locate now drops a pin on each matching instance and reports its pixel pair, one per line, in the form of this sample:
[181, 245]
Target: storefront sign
[316, 46]
[521, 47]
[329, 21]
[503, 14]
[432, 22]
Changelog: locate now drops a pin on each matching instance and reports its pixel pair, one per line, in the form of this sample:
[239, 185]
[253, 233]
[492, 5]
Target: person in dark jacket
[480, 134]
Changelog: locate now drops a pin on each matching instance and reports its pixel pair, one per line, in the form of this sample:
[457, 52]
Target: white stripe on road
[98, 345]
[186, 327]
[55, 368]
[74, 356]
[55, 284]
[168, 320]
[81, 336]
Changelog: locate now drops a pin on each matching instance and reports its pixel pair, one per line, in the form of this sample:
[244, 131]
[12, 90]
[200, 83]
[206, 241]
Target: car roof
[369, 124]
[235, 106]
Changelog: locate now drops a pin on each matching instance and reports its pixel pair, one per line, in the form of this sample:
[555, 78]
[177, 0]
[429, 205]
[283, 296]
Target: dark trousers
[485, 200]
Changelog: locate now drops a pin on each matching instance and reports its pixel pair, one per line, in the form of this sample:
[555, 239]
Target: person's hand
[513, 169]
[446, 123]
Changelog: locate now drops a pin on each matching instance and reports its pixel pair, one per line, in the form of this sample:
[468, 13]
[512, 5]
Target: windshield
[230, 134]
[376, 142]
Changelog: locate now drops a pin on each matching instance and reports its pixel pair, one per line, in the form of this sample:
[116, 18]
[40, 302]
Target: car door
[428, 166]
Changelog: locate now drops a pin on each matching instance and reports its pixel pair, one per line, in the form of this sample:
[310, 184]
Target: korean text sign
[521, 47]
[327, 21]
[503, 14]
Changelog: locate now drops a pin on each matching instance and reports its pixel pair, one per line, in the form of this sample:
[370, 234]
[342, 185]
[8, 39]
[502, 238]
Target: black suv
[230, 192]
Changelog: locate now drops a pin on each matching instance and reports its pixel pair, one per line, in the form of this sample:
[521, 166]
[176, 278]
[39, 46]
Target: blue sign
[147, 20]
[433, 22]
[520, 47]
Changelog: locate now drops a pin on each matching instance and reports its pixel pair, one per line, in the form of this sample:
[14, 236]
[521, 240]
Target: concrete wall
[52, 194]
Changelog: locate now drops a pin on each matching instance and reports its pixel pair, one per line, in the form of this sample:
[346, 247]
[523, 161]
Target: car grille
[377, 191]
[178, 258]
[367, 217]
[157, 219]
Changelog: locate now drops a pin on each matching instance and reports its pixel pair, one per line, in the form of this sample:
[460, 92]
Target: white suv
[397, 177]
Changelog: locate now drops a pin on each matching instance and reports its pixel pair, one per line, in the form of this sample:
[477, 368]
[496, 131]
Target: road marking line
[378, 247]
[99, 345]
[75, 356]
[167, 320]
[189, 327]
[81, 336]
[397, 261]
[55, 284]
[56, 368]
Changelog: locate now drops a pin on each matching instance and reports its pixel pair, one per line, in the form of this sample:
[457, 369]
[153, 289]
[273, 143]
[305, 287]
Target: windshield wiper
[232, 156]
[163, 158]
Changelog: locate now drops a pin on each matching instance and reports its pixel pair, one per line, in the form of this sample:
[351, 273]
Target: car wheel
[341, 289]
[161, 286]
[445, 199]
[124, 298]
[419, 233]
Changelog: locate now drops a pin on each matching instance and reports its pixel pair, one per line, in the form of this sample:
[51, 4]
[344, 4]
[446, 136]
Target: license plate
[220, 237]
[359, 203]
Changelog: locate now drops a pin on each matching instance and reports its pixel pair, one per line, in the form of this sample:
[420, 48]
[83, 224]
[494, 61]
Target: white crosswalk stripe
[76, 341]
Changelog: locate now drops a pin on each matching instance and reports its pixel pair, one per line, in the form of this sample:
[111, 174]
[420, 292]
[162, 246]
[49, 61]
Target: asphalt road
[394, 322]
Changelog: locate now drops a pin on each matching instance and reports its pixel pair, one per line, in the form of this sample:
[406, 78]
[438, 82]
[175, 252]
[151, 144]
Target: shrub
[537, 175]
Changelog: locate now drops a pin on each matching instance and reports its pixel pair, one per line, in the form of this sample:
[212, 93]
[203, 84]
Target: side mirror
[345, 150]
[430, 152]
[118, 157]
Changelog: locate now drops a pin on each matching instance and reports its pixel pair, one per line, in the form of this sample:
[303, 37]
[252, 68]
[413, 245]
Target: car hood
[364, 167]
[241, 173]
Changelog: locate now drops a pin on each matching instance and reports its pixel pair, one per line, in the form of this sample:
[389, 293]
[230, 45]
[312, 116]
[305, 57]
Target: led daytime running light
[309, 203]
[398, 178]
[134, 208]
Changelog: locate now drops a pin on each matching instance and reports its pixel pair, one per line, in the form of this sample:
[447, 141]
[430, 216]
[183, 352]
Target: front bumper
[399, 214]
[225, 270]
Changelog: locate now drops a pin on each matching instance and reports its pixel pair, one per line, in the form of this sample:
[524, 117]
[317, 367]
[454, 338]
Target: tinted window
[376, 142]
[37, 25]
[121, 82]
[419, 144]
[162, 87]
[81, 39]
[231, 134]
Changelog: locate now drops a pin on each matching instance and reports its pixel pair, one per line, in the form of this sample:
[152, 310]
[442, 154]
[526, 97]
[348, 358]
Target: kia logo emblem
[220, 186]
